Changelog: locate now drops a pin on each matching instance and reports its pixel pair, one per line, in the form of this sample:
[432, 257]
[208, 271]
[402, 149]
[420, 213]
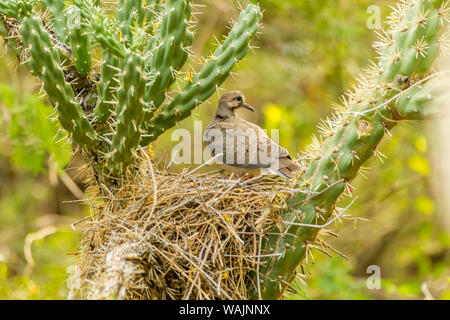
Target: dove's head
[231, 101]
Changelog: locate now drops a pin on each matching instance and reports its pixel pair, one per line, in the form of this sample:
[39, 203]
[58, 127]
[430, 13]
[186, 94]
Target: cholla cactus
[397, 88]
[113, 107]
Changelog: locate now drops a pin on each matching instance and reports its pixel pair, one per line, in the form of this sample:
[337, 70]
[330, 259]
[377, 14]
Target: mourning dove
[242, 146]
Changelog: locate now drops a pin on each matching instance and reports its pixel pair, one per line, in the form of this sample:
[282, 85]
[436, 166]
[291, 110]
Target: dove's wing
[253, 149]
[247, 146]
[239, 143]
[281, 162]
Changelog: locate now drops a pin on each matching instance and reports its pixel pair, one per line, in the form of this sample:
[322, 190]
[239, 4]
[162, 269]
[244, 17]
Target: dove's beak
[247, 106]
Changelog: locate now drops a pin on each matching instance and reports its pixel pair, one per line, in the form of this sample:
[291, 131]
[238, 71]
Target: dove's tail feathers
[288, 167]
[285, 173]
[270, 171]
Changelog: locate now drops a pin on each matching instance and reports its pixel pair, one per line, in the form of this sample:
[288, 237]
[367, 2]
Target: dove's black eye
[238, 98]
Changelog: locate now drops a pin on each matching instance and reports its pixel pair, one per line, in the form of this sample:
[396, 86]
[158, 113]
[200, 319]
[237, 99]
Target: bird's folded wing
[244, 144]
[252, 147]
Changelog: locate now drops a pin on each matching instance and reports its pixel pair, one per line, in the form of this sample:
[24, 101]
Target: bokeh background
[306, 57]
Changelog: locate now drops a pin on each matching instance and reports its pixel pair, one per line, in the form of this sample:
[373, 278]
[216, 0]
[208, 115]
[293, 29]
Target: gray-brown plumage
[244, 146]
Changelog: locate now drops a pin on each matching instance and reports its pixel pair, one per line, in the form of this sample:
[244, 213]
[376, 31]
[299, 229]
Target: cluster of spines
[411, 44]
[394, 89]
[129, 112]
[45, 63]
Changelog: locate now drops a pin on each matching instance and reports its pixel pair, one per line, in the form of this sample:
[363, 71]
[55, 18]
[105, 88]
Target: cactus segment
[213, 74]
[182, 58]
[417, 104]
[106, 87]
[58, 19]
[46, 64]
[129, 112]
[411, 43]
[170, 55]
[129, 15]
[9, 9]
[142, 50]
[80, 44]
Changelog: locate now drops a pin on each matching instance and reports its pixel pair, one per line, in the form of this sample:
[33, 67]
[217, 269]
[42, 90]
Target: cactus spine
[407, 51]
[143, 50]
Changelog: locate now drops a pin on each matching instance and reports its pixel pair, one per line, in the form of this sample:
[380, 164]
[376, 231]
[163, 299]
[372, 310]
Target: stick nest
[177, 236]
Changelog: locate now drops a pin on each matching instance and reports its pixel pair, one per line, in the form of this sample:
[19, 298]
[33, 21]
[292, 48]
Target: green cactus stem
[130, 112]
[58, 19]
[46, 64]
[105, 31]
[16, 8]
[169, 56]
[107, 87]
[420, 102]
[80, 44]
[129, 14]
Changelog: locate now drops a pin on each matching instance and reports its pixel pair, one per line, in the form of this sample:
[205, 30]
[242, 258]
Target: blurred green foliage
[33, 137]
[309, 53]
[48, 279]
[32, 153]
